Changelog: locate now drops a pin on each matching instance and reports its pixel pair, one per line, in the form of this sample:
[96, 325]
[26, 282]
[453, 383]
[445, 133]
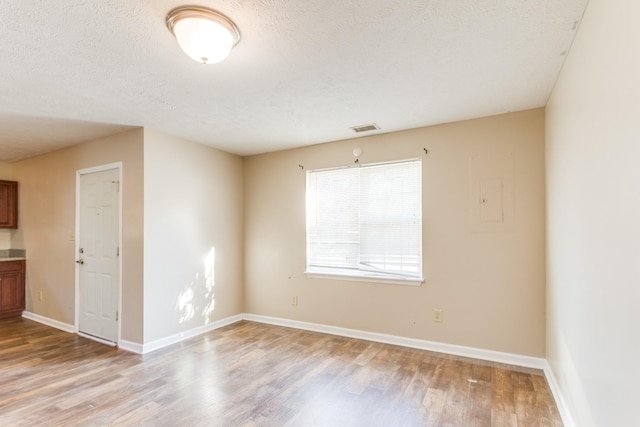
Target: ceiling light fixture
[204, 34]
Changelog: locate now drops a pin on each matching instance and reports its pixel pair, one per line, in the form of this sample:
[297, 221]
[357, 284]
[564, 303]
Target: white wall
[488, 278]
[192, 205]
[593, 214]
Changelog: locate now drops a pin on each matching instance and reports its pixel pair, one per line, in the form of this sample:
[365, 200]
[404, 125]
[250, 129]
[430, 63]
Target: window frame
[337, 273]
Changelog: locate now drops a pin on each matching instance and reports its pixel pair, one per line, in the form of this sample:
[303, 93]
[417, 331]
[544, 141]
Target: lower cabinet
[11, 288]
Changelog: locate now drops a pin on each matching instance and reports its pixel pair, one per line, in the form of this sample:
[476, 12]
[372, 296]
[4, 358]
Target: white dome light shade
[203, 41]
[206, 36]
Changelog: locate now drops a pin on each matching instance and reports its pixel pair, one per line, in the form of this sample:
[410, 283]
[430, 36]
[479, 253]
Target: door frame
[79, 173]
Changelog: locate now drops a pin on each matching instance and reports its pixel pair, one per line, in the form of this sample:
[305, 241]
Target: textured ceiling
[303, 73]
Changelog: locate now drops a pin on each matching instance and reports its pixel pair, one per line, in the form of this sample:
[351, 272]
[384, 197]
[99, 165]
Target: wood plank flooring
[250, 374]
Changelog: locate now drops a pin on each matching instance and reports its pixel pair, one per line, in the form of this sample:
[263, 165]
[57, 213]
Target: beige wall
[490, 282]
[593, 199]
[193, 203]
[181, 199]
[47, 190]
[5, 170]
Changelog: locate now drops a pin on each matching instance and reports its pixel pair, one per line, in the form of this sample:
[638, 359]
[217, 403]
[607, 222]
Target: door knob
[80, 261]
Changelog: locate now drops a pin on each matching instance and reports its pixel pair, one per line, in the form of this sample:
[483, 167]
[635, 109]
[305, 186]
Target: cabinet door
[11, 291]
[8, 204]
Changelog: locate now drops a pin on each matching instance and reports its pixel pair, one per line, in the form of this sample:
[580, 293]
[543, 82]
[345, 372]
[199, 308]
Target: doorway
[98, 267]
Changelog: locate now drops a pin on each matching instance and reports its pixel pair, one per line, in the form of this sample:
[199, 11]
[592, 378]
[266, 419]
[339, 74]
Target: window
[366, 222]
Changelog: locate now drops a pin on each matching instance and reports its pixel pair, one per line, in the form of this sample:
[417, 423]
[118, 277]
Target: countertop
[13, 254]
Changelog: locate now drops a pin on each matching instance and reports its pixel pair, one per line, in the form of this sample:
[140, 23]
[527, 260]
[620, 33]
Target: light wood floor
[249, 374]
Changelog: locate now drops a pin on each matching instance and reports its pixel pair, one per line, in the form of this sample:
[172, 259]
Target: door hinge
[117, 250]
[116, 182]
[116, 316]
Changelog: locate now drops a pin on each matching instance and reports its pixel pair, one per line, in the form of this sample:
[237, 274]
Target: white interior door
[98, 254]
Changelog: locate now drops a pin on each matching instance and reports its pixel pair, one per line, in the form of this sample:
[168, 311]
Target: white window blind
[366, 221]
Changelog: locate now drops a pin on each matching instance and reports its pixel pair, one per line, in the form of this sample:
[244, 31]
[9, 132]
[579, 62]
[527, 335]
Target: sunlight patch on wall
[185, 304]
[199, 293]
[209, 281]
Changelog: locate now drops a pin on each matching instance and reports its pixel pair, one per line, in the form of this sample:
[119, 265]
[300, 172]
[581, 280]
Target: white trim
[365, 165]
[100, 168]
[364, 277]
[457, 350]
[181, 336]
[86, 171]
[130, 346]
[49, 322]
[561, 403]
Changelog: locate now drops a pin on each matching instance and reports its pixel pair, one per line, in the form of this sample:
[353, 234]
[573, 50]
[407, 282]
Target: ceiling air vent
[365, 128]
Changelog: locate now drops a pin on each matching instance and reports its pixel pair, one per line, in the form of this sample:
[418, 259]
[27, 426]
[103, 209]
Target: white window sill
[363, 277]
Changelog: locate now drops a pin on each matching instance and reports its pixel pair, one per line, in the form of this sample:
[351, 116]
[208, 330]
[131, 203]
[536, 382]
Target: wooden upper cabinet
[8, 204]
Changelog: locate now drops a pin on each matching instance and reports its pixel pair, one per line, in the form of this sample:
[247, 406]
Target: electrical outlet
[294, 300]
[437, 315]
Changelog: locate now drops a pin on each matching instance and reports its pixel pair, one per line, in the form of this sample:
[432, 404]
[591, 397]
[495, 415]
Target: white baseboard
[130, 346]
[561, 403]
[135, 347]
[176, 338]
[457, 350]
[49, 322]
